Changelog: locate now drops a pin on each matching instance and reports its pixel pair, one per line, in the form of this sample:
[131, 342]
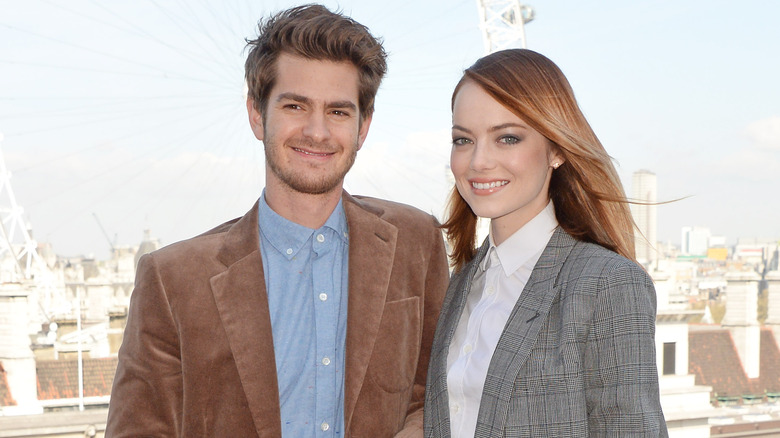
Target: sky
[118, 117]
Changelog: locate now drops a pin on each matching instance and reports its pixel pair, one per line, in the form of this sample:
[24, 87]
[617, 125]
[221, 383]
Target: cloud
[412, 171]
[765, 133]
[751, 164]
[757, 159]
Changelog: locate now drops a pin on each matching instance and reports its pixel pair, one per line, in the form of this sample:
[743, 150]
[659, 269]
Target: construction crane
[110, 242]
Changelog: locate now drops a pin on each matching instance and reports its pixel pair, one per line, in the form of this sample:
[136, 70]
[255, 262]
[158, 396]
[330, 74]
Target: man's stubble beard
[297, 180]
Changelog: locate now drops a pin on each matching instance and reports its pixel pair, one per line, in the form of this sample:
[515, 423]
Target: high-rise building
[644, 194]
[695, 240]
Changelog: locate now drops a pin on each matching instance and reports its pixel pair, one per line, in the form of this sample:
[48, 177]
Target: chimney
[15, 353]
[773, 305]
[742, 318]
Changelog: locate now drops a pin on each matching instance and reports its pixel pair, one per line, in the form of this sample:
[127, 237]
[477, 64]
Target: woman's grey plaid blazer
[577, 355]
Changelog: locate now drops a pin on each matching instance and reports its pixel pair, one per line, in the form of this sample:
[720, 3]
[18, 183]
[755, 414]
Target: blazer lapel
[242, 303]
[520, 334]
[437, 400]
[371, 251]
[453, 305]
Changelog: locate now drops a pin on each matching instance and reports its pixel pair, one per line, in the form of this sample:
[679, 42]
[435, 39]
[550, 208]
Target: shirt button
[326, 361]
[320, 238]
[455, 408]
[467, 348]
[323, 296]
[490, 290]
[324, 426]
[289, 251]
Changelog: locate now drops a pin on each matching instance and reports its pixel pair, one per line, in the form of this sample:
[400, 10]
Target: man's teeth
[311, 153]
[490, 185]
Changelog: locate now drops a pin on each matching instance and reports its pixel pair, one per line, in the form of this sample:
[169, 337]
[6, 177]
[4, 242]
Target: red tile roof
[769, 379]
[59, 378]
[6, 398]
[714, 360]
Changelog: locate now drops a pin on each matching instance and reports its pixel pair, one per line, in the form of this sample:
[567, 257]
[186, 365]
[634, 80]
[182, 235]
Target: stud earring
[555, 165]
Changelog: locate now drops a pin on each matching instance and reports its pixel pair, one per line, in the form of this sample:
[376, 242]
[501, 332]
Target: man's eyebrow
[293, 97]
[342, 104]
[346, 104]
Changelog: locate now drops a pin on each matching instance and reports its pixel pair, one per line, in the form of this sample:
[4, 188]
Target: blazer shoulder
[398, 214]
[205, 243]
[593, 259]
[595, 271]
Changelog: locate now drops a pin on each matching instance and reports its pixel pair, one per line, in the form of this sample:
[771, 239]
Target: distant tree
[698, 305]
[718, 310]
[763, 304]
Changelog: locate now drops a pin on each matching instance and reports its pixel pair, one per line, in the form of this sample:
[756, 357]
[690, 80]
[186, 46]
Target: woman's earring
[555, 165]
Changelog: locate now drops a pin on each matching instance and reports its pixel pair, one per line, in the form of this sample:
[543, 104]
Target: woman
[548, 328]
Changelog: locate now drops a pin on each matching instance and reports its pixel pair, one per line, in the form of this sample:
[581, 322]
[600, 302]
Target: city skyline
[144, 127]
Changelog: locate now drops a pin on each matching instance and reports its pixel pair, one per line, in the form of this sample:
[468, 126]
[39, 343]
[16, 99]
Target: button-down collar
[525, 243]
[287, 237]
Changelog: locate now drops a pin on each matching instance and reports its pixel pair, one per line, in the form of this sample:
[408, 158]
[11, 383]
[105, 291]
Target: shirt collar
[287, 237]
[525, 243]
[337, 221]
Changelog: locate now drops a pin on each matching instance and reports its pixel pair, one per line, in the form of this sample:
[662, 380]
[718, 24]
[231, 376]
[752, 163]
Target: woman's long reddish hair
[589, 200]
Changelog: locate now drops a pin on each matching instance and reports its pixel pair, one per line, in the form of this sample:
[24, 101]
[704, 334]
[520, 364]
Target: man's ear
[255, 118]
[363, 131]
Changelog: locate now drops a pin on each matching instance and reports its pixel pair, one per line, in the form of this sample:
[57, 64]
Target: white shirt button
[324, 426]
[346, 234]
[490, 291]
[323, 296]
[320, 238]
[455, 408]
[326, 361]
[289, 251]
[467, 348]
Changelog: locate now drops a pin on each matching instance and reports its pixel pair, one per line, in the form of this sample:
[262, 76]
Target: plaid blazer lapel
[437, 410]
[520, 335]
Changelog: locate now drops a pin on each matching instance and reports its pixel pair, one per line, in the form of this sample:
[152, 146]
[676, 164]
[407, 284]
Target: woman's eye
[460, 141]
[509, 139]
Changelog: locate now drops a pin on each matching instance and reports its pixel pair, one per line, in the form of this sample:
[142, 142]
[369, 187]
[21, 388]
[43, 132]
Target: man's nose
[317, 127]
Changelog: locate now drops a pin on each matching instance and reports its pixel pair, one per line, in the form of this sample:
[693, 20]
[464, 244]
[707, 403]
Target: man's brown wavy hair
[314, 32]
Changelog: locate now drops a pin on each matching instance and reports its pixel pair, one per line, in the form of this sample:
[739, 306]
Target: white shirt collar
[526, 243]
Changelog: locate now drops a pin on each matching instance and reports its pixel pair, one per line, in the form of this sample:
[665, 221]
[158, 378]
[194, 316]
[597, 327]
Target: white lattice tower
[503, 23]
[15, 239]
[17, 245]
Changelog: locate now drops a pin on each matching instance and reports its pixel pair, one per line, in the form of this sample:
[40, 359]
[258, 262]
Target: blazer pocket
[394, 360]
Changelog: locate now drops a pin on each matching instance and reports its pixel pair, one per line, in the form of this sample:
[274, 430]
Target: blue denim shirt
[306, 279]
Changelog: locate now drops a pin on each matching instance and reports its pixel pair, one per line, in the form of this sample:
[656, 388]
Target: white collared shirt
[495, 289]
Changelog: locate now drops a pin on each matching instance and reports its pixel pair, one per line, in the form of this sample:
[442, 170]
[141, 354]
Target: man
[313, 314]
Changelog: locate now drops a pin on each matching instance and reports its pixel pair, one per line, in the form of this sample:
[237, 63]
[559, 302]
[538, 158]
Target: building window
[669, 358]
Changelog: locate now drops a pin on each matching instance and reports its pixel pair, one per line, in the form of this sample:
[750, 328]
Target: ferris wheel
[503, 23]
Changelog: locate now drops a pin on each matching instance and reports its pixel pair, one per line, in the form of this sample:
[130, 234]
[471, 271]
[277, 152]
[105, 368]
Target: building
[57, 382]
[685, 402]
[644, 195]
[695, 240]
